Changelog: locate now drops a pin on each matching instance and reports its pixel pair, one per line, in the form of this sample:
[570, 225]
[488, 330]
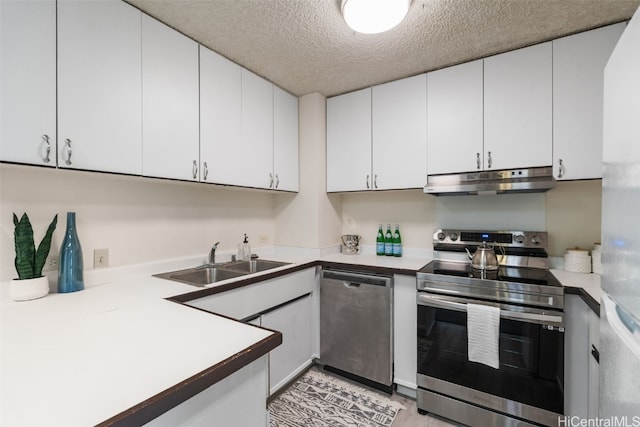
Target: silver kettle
[484, 258]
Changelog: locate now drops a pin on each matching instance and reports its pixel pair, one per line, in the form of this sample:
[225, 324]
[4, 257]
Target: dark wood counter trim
[172, 397]
[368, 268]
[586, 297]
[240, 282]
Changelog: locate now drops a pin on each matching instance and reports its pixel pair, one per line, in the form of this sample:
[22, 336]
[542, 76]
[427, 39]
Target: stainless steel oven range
[527, 387]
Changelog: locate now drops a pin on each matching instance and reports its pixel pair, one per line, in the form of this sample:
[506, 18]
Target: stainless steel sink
[254, 265]
[207, 274]
[201, 276]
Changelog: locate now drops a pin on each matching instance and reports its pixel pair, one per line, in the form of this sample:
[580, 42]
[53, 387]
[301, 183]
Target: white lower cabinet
[286, 304]
[405, 314]
[581, 368]
[295, 322]
[594, 365]
[236, 401]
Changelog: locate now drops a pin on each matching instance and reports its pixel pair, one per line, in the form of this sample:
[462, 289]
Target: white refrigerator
[620, 305]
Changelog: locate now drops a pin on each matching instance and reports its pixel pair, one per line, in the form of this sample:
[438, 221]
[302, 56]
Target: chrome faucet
[212, 254]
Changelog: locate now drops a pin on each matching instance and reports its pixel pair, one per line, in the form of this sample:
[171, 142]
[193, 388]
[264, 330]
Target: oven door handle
[439, 302]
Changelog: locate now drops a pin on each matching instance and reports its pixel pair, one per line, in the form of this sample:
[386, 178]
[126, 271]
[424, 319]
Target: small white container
[25, 290]
[577, 260]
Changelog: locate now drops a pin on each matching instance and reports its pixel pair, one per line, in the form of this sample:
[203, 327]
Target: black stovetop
[534, 276]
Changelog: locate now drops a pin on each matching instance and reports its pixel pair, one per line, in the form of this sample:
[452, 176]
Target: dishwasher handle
[355, 279]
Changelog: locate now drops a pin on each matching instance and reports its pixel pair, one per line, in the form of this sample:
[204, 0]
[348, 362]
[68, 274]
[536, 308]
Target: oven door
[529, 381]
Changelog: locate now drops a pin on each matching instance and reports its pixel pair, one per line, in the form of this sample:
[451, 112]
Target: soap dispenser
[244, 249]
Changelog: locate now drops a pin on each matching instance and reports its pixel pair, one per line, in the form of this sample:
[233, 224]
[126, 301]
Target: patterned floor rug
[319, 400]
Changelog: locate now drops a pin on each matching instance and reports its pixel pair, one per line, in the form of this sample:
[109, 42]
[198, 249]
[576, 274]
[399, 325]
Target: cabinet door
[594, 365]
[220, 118]
[285, 140]
[99, 86]
[256, 164]
[399, 134]
[28, 82]
[170, 133]
[517, 108]
[455, 119]
[349, 142]
[295, 353]
[405, 319]
[578, 82]
[576, 357]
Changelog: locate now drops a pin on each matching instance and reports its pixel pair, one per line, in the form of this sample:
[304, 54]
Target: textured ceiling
[304, 46]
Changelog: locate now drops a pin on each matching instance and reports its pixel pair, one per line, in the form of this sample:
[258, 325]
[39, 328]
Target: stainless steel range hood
[531, 180]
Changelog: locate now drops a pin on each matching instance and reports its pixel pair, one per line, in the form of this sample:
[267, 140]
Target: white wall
[570, 213]
[411, 209]
[137, 219]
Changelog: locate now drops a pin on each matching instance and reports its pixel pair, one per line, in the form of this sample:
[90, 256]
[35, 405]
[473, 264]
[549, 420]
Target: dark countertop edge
[369, 268]
[239, 283]
[168, 399]
[586, 297]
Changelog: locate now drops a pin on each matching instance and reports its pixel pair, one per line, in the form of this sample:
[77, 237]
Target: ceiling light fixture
[374, 16]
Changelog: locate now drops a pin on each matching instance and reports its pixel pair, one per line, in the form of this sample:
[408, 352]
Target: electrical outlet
[100, 258]
[51, 263]
[263, 239]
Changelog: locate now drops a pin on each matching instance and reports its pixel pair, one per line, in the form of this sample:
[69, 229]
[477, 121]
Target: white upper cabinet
[349, 142]
[256, 163]
[578, 69]
[99, 86]
[285, 140]
[455, 119]
[28, 82]
[517, 108]
[220, 118]
[399, 134]
[170, 133]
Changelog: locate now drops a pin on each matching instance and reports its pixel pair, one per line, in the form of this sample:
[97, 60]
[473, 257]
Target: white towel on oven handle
[483, 334]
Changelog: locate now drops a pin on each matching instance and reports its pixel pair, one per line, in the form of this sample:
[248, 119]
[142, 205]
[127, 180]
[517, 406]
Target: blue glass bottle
[70, 277]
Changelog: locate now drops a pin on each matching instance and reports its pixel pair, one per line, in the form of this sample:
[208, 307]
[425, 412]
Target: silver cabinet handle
[206, 171]
[489, 161]
[560, 168]
[195, 169]
[45, 141]
[478, 161]
[270, 180]
[67, 143]
[277, 180]
[441, 302]
[375, 181]
[368, 186]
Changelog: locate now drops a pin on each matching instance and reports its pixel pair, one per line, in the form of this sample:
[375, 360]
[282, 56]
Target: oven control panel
[510, 239]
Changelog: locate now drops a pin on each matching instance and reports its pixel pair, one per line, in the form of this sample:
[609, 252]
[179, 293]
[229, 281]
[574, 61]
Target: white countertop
[81, 358]
[84, 357]
[589, 282]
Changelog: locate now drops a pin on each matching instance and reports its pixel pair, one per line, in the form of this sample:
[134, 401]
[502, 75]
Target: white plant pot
[24, 290]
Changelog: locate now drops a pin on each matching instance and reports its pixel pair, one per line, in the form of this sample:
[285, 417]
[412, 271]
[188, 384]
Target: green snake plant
[29, 261]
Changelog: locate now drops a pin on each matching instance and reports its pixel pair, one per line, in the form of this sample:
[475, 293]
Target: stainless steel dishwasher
[356, 326]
